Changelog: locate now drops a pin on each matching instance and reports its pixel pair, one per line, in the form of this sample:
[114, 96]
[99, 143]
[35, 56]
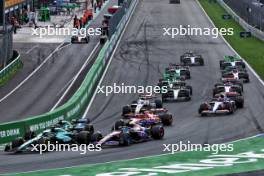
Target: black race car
[191, 59]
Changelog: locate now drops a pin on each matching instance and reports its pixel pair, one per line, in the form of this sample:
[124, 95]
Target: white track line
[64, 46]
[65, 87]
[108, 64]
[110, 162]
[87, 109]
[47, 58]
[250, 68]
[30, 75]
[32, 49]
[75, 77]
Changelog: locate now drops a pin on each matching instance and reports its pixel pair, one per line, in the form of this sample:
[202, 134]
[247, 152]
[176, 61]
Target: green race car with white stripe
[233, 61]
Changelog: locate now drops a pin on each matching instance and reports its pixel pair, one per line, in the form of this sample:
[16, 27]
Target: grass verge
[251, 49]
[10, 71]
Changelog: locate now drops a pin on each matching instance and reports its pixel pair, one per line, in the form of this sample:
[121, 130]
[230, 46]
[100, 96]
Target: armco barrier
[11, 68]
[74, 107]
[256, 32]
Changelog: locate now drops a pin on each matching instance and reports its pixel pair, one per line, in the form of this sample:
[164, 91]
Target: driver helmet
[52, 129]
[60, 122]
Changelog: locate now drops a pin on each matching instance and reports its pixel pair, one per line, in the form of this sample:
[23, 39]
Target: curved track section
[140, 59]
[41, 92]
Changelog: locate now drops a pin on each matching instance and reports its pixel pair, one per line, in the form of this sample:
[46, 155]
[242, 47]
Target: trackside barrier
[11, 68]
[74, 107]
[256, 32]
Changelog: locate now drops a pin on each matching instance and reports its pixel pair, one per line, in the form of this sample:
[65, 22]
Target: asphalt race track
[41, 92]
[140, 59]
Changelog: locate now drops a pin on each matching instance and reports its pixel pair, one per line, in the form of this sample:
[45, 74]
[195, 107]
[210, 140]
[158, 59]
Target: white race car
[191, 59]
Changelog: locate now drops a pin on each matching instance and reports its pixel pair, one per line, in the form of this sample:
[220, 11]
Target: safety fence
[10, 70]
[6, 46]
[75, 106]
[254, 31]
[117, 17]
[251, 11]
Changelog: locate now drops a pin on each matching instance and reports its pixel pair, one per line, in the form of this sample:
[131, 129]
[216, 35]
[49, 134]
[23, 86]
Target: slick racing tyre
[29, 135]
[202, 108]
[126, 110]
[17, 142]
[166, 119]
[84, 137]
[89, 128]
[96, 137]
[7, 148]
[190, 88]
[157, 132]
[118, 124]
[201, 61]
[239, 103]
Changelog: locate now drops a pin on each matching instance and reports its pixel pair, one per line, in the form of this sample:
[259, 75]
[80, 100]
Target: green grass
[251, 49]
[195, 157]
[10, 74]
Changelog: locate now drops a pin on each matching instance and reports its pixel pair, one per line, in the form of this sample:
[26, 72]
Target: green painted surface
[73, 108]
[248, 155]
[8, 72]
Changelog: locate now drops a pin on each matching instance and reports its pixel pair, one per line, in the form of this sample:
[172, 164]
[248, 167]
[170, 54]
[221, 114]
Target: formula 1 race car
[80, 38]
[151, 117]
[219, 88]
[231, 61]
[183, 71]
[76, 125]
[243, 76]
[217, 106]
[174, 84]
[172, 75]
[234, 96]
[229, 69]
[82, 125]
[233, 82]
[127, 135]
[192, 59]
[52, 135]
[145, 102]
[179, 93]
